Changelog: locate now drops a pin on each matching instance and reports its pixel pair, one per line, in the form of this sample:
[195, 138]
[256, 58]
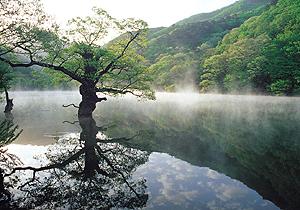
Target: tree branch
[100, 152]
[101, 99]
[72, 123]
[71, 105]
[55, 165]
[110, 65]
[117, 91]
[46, 65]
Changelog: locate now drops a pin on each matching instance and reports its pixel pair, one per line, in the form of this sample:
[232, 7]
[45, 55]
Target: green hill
[183, 53]
[192, 40]
[262, 55]
[240, 8]
[190, 33]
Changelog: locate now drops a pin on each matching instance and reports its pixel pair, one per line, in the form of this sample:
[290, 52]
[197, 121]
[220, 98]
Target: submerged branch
[73, 123]
[101, 99]
[71, 105]
[118, 140]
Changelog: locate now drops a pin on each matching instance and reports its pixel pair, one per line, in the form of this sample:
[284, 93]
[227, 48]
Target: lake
[181, 151]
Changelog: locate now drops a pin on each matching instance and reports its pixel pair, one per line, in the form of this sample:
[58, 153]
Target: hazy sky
[154, 12]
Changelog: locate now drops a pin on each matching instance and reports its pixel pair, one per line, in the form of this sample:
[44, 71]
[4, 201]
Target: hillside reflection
[255, 142]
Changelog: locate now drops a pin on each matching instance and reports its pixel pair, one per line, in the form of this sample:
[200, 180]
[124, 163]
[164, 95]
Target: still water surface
[191, 152]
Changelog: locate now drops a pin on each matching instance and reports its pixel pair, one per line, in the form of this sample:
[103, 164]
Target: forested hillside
[192, 32]
[251, 46]
[262, 55]
[194, 38]
[242, 8]
[174, 53]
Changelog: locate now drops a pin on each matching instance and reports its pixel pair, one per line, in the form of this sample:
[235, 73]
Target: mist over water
[41, 114]
[239, 151]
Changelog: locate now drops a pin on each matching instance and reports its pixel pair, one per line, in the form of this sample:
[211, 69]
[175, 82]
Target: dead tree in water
[9, 102]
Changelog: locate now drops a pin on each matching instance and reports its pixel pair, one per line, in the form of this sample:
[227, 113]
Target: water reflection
[86, 172]
[8, 133]
[175, 184]
[254, 140]
[251, 139]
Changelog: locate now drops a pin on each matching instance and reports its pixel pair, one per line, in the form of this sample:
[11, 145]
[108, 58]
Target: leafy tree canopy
[262, 54]
[79, 51]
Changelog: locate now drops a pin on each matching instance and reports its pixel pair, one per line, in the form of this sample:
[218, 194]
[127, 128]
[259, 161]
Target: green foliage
[209, 27]
[261, 55]
[190, 36]
[195, 37]
[172, 72]
[115, 68]
[79, 53]
[280, 87]
[225, 69]
[40, 79]
[130, 70]
[6, 76]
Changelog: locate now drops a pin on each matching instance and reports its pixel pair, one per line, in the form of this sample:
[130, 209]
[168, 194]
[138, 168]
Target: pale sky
[155, 12]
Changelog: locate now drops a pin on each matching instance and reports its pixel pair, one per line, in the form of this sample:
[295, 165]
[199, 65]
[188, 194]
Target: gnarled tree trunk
[89, 100]
[9, 102]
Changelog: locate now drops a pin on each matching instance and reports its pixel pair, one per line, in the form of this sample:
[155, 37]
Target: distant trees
[195, 38]
[262, 55]
[173, 72]
[238, 68]
[34, 78]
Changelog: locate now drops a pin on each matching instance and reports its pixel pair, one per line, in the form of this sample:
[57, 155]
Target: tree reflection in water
[90, 171]
[8, 133]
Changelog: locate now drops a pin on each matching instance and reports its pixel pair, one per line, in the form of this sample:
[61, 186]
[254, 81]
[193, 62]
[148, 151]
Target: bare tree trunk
[9, 102]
